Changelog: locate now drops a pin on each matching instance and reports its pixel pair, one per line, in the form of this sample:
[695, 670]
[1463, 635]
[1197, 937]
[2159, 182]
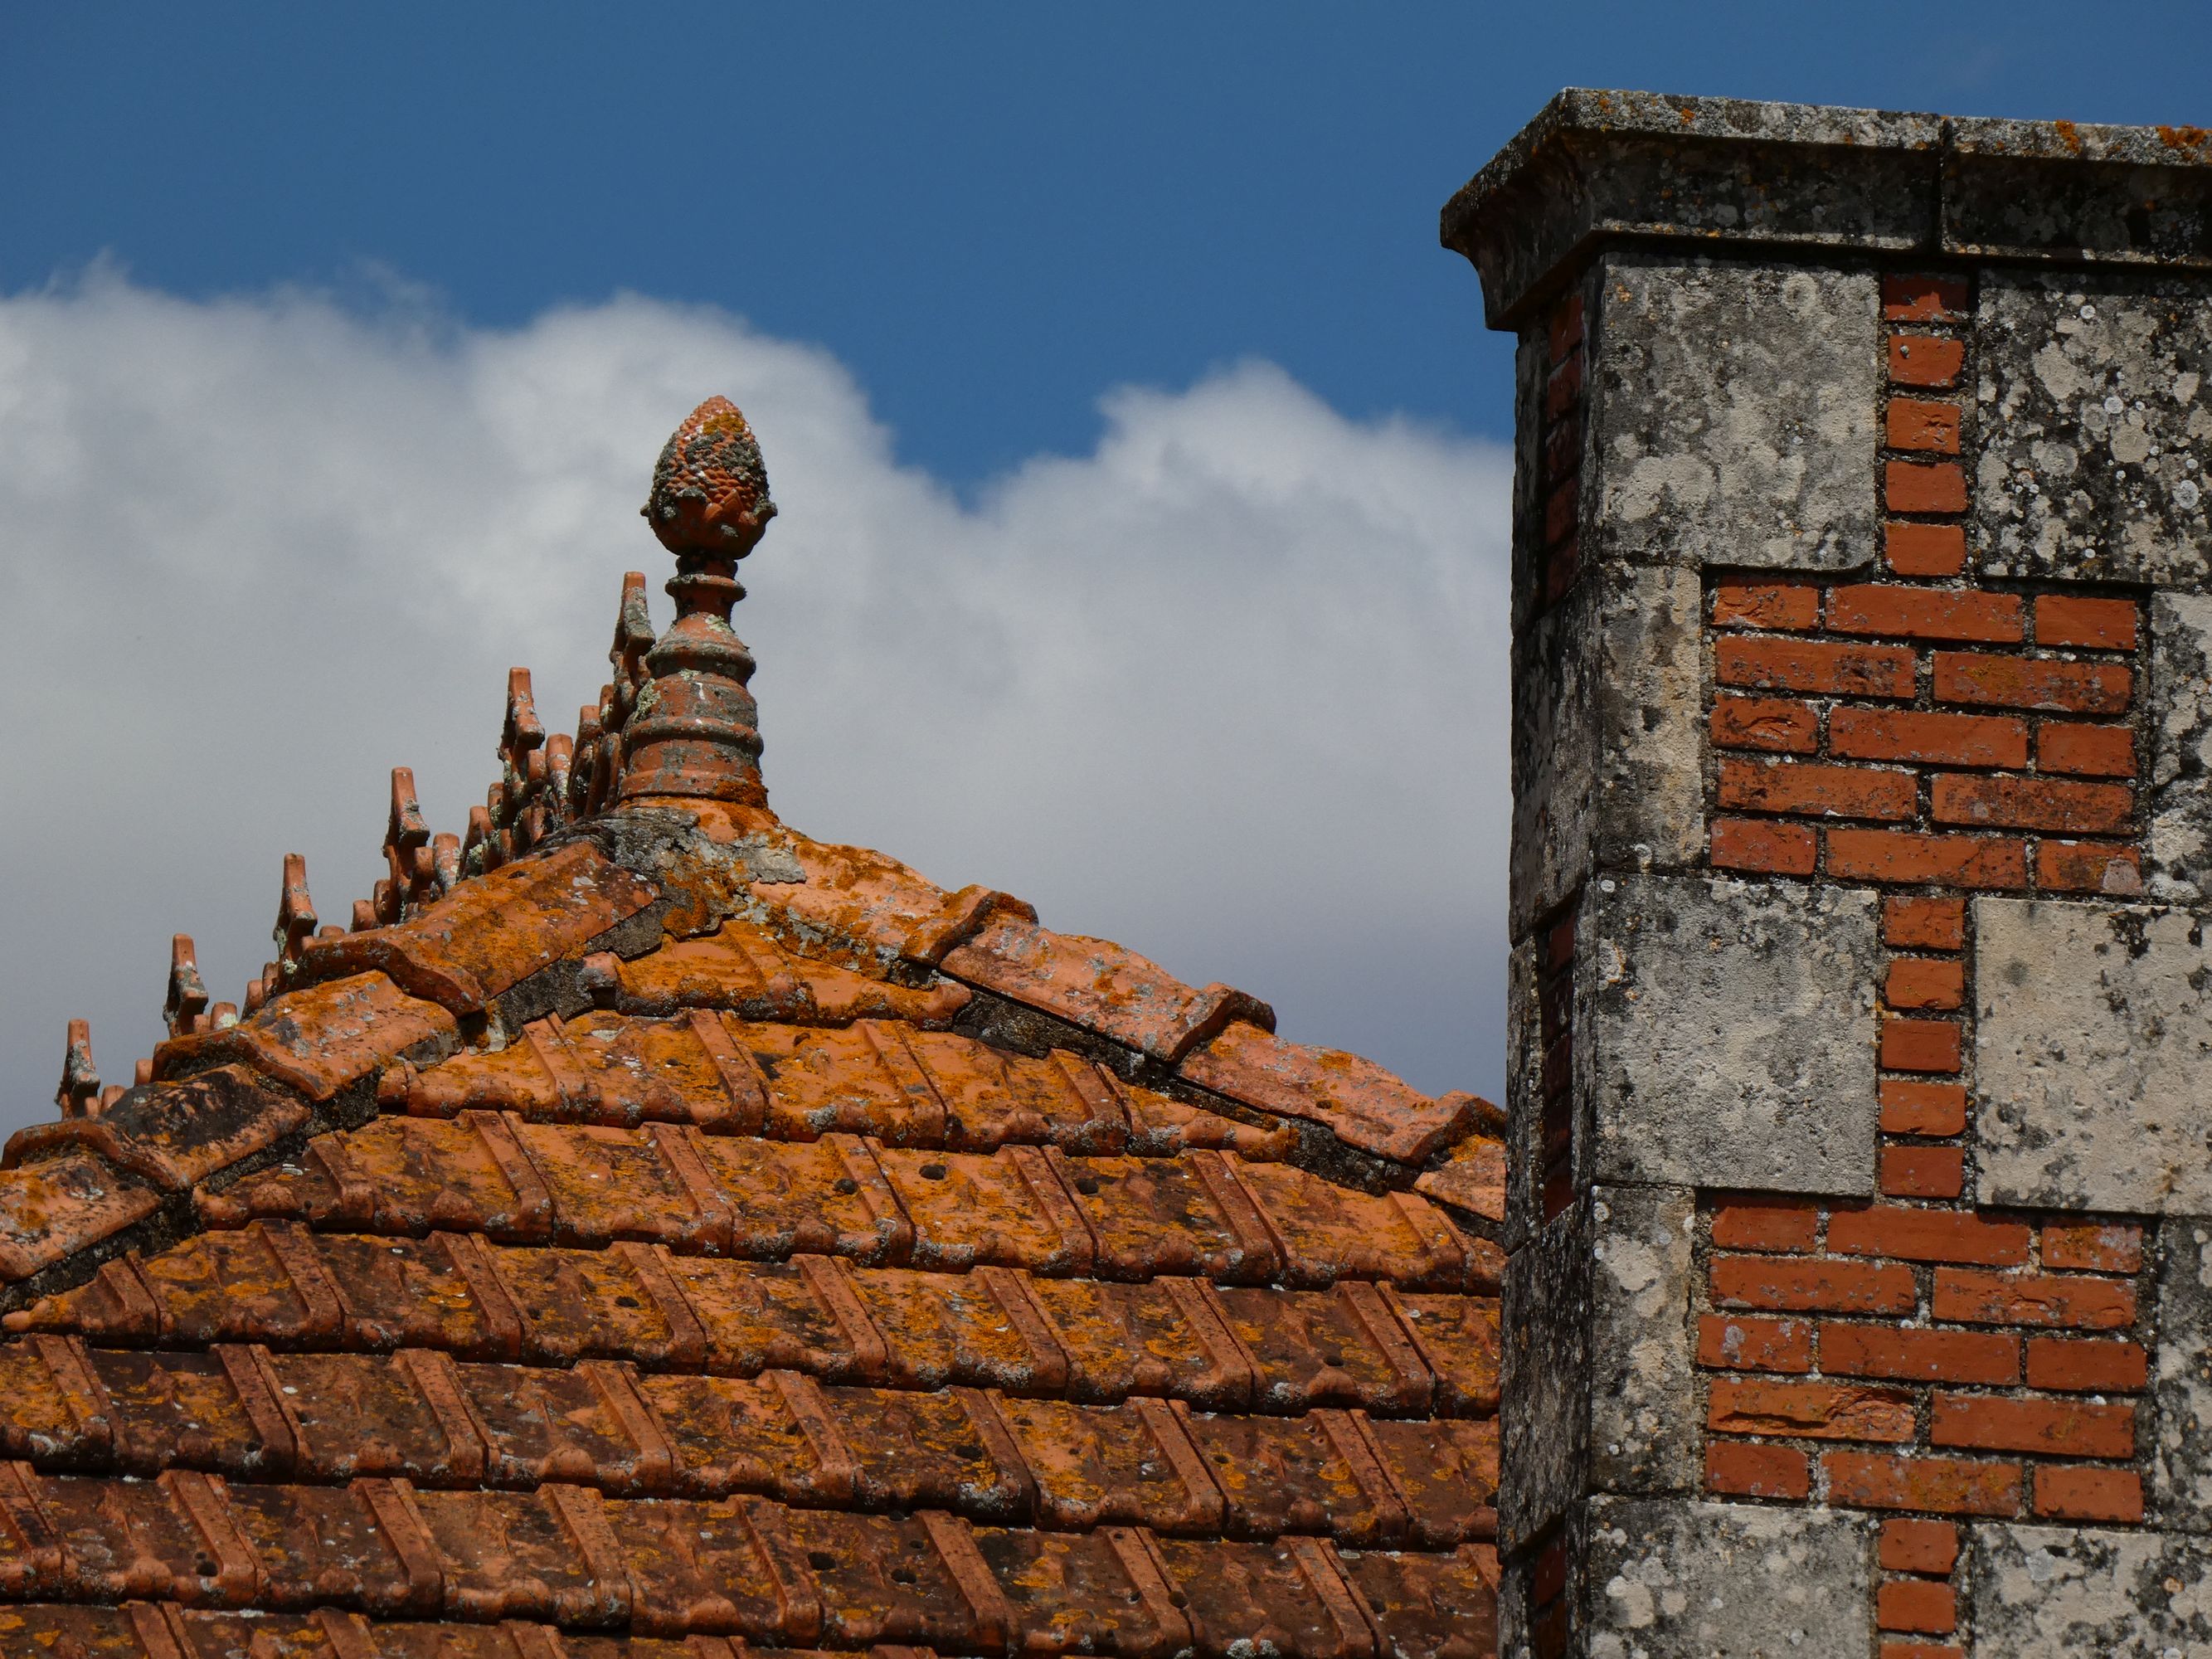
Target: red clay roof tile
[726, 1264]
[493, 932]
[1361, 1102]
[321, 1038]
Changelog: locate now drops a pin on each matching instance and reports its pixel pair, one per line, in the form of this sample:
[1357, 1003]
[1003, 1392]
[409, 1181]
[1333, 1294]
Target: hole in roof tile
[846, 1184]
[821, 1560]
[932, 1172]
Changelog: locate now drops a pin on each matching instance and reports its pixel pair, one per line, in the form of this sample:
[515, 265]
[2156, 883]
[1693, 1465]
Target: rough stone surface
[1725, 1033]
[2094, 412]
[1543, 1390]
[1707, 171]
[1608, 736]
[2053, 1593]
[1643, 1419]
[1676, 1580]
[2180, 702]
[2092, 1051]
[1732, 415]
[2181, 1382]
[1524, 1094]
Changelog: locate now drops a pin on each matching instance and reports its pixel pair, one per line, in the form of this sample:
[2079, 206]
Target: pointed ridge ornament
[695, 729]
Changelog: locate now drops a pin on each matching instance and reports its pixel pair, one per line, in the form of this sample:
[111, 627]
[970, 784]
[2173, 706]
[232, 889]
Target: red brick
[1564, 388]
[2089, 1495]
[1561, 566]
[1561, 510]
[1905, 734]
[1809, 1411]
[2052, 1428]
[1781, 605]
[2094, 751]
[1762, 1225]
[1902, 856]
[1946, 1485]
[1925, 613]
[2045, 1299]
[1565, 326]
[1796, 1284]
[1815, 665]
[1910, 1234]
[2101, 1246]
[1765, 723]
[1928, 1548]
[1915, 299]
[1923, 924]
[1925, 360]
[1924, 549]
[2087, 866]
[2031, 804]
[1920, 1651]
[1914, 1354]
[1738, 1342]
[1912, 1107]
[2044, 683]
[1754, 1471]
[1917, 1604]
[1563, 447]
[1924, 486]
[1921, 424]
[1919, 982]
[2097, 624]
[1786, 849]
[1847, 792]
[1920, 1045]
[2087, 1365]
[1922, 1171]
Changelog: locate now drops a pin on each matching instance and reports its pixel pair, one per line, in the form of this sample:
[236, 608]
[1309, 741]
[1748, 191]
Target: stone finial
[709, 490]
[694, 732]
[79, 1094]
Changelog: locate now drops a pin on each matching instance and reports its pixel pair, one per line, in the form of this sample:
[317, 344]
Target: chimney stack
[1859, 1299]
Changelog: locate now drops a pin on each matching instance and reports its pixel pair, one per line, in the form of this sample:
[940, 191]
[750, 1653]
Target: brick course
[1936, 737]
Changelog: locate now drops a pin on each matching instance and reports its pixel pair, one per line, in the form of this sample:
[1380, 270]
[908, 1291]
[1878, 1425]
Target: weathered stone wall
[1859, 1299]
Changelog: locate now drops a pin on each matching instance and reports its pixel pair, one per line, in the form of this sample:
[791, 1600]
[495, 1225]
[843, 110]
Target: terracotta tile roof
[650, 1231]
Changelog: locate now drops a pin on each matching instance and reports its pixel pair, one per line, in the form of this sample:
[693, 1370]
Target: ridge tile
[492, 932]
[1361, 1102]
[321, 1037]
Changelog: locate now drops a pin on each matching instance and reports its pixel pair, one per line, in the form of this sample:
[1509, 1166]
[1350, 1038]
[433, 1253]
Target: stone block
[1732, 415]
[1608, 736]
[2179, 703]
[1643, 1418]
[2094, 414]
[2064, 1593]
[1724, 1033]
[1543, 1387]
[1524, 1093]
[2181, 1378]
[1670, 1579]
[2093, 1041]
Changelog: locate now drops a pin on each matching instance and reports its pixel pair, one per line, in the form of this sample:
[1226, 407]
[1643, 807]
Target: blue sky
[992, 213]
[1139, 448]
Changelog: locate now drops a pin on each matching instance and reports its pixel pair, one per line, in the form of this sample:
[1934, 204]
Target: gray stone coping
[1728, 174]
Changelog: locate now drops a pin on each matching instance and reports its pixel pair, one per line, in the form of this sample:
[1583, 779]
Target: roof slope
[651, 1232]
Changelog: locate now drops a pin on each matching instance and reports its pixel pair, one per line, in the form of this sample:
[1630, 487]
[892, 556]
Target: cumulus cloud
[1230, 688]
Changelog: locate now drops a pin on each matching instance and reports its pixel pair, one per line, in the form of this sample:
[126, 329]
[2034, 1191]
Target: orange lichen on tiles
[724, 1266]
[493, 932]
[740, 968]
[319, 1039]
[1363, 1104]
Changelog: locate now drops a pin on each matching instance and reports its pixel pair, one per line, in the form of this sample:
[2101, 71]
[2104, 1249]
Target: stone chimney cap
[1714, 172]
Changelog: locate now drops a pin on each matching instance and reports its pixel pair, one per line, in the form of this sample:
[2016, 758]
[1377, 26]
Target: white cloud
[1231, 688]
